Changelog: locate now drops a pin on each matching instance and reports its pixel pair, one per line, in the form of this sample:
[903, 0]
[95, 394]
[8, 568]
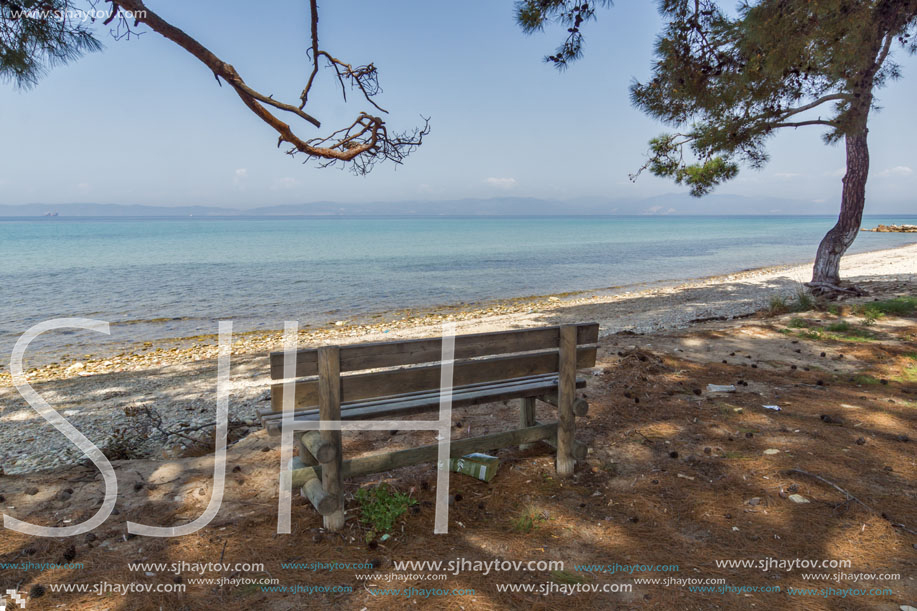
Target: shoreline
[132, 355]
[142, 396]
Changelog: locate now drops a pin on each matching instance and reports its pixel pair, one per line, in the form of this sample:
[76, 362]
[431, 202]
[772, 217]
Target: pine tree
[37, 34]
[726, 82]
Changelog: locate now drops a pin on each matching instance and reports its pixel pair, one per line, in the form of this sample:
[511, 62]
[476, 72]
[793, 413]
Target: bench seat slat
[269, 413]
[418, 392]
[375, 355]
[427, 377]
[549, 381]
[418, 403]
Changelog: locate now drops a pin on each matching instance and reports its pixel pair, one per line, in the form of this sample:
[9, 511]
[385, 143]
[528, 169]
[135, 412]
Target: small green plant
[870, 314]
[849, 333]
[909, 374]
[835, 310]
[804, 302]
[864, 380]
[566, 577]
[527, 520]
[899, 306]
[811, 334]
[777, 306]
[381, 506]
[841, 331]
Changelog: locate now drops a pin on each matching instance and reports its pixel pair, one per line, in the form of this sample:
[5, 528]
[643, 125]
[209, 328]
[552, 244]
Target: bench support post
[321, 450]
[566, 394]
[304, 454]
[580, 405]
[312, 490]
[329, 372]
[386, 461]
[526, 417]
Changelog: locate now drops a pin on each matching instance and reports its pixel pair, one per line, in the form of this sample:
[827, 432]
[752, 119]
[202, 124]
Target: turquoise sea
[160, 278]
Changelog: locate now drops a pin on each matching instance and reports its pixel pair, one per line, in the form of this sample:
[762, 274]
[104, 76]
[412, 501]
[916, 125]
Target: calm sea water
[157, 278]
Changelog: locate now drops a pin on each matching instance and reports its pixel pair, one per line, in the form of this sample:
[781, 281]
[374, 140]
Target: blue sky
[143, 122]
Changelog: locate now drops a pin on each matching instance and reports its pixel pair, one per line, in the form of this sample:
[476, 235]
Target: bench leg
[526, 417]
[566, 393]
[329, 406]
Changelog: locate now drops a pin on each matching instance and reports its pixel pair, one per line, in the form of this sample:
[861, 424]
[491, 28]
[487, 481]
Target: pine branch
[804, 123]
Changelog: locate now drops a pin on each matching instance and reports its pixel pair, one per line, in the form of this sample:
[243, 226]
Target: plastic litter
[775, 408]
[720, 388]
[481, 466]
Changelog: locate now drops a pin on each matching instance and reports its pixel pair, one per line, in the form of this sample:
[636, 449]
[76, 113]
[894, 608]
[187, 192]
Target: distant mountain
[498, 206]
[113, 210]
[677, 204]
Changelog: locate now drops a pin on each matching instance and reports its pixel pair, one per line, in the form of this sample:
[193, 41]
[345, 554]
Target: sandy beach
[176, 378]
[676, 471]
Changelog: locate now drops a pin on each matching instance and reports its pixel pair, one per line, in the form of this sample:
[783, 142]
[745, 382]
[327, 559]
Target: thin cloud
[501, 183]
[660, 210]
[787, 174]
[287, 182]
[897, 171]
[239, 176]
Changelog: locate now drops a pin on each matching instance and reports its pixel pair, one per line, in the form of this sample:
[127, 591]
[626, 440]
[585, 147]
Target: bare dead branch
[369, 142]
[304, 97]
[364, 143]
[365, 78]
[850, 497]
[122, 30]
[804, 123]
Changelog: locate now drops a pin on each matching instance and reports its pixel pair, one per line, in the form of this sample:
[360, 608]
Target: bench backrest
[414, 365]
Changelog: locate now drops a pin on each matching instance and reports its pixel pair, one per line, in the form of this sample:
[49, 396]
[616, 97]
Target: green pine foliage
[36, 35]
[726, 78]
[532, 15]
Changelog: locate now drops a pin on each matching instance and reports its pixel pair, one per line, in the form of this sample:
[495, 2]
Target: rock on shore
[894, 229]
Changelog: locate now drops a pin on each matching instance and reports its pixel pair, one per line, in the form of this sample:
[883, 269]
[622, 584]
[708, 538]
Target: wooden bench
[366, 381]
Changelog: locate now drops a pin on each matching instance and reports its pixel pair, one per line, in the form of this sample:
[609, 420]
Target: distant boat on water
[51, 214]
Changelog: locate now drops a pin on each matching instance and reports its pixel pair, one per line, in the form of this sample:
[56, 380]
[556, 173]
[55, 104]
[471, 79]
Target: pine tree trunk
[840, 237]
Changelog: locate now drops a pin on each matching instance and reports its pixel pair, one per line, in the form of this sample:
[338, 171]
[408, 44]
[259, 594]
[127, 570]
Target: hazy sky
[144, 122]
